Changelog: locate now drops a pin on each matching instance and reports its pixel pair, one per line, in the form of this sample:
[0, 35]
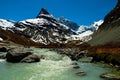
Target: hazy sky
[83, 12]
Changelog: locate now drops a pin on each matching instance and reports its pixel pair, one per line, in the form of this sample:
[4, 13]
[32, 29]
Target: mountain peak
[43, 11]
[68, 23]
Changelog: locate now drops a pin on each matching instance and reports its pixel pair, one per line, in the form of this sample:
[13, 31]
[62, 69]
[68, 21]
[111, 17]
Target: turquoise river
[53, 67]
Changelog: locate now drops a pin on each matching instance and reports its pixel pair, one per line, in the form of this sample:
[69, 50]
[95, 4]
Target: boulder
[3, 49]
[77, 55]
[110, 76]
[17, 54]
[76, 67]
[81, 73]
[31, 58]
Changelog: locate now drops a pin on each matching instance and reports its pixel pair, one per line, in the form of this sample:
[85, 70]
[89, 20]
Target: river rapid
[53, 67]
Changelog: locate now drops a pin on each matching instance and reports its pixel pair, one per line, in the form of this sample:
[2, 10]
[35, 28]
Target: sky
[83, 12]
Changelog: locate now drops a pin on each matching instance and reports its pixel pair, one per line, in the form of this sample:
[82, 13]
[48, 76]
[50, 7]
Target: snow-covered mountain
[92, 27]
[46, 29]
[43, 29]
[68, 23]
[84, 32]
[96, 24]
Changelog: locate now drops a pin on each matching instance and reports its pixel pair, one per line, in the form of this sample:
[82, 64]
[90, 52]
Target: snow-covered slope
[83, 36]
[97, 24]
[44, 29]
[6, 24]
[1, 39]
[85, 32]
[92, 27]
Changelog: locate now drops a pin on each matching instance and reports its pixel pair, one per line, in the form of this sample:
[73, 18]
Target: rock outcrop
[21, 55]
[3, 49]
[109, 31]
[43, 11]
[68, 23]
[73, 53]
[76, 67]
[81, 73]
[31, 58]
[110, 77]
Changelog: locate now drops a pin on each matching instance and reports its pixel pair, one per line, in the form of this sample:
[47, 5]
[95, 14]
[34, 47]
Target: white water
[53, 67]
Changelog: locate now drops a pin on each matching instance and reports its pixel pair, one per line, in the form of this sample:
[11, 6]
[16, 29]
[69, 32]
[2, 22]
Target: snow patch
[40, 39]
[80, 36]
[1, 39]
[55, 34]
[46, 15]
[85, 36]
[97, 24]
[4, 24]
[87, 33]
[21, 29]
[92, 27]
[64, 26]
[81, 29]
[39, 21]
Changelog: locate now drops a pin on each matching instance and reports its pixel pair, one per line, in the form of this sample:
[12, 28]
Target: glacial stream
[53, 67]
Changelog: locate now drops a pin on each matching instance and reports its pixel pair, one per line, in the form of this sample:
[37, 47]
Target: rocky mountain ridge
[109, 31]
[68, 23]
[46, 29]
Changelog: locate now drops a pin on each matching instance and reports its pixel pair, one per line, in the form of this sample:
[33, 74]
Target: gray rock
[81, 73]
[110, 76]
[31, 58]
[17, 54]
[76, 67]
[3, 49]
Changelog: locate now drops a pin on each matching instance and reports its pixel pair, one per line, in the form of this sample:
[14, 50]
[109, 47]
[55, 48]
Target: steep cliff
[109, 31]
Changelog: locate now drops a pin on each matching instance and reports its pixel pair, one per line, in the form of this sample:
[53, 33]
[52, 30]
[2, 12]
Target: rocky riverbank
[20, 54]
[73, 53]
[27, 55]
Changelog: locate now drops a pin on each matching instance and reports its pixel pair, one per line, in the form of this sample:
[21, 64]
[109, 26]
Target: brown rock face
[109, 31]
[112, 16]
